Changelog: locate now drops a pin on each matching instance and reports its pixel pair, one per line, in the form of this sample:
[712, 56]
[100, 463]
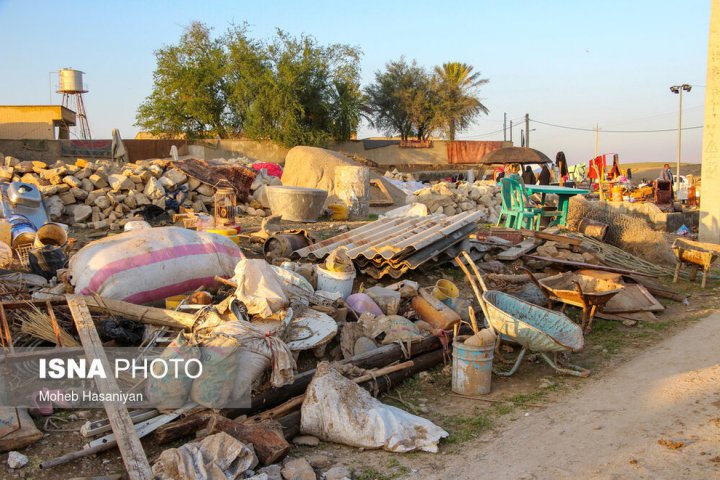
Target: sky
[574, 63]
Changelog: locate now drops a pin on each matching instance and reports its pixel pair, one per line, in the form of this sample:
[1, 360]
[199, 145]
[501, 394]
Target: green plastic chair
[519, 214]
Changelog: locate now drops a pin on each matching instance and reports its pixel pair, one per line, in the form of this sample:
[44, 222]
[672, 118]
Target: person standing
[562, 169]
[666, 175]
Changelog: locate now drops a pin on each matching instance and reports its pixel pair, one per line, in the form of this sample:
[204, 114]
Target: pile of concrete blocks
[99, 194]
[454, 198]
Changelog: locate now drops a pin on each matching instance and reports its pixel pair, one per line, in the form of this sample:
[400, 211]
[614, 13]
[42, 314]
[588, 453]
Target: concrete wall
[33, 121]
[259, 151]
[394, 155]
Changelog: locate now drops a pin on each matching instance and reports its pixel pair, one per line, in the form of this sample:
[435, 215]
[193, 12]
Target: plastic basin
[296, 204]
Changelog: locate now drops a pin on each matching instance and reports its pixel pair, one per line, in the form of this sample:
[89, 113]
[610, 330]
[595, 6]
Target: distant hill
[651, 170]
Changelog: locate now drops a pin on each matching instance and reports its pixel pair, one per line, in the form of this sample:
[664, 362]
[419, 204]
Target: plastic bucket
[339, 212]
[340, 282]
[51, 234]
[22, 230]
[471, 368]
[445, 289]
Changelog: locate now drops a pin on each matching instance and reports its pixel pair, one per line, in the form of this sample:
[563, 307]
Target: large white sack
[143, 266]
[259, 287]
[337, 410]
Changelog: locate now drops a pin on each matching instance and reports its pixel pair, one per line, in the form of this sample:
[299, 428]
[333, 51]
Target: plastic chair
[523, 215]
[506, 208]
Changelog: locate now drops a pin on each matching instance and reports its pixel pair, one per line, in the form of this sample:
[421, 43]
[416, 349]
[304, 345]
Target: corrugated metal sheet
[392, 246]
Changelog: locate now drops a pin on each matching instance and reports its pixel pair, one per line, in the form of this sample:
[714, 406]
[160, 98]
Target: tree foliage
[407, 100]
[292, 90]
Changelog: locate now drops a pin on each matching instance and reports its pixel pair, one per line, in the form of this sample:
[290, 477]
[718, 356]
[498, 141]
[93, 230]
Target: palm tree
[457, 87]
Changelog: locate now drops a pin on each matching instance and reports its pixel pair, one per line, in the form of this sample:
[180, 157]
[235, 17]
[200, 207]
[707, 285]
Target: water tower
[71, 87]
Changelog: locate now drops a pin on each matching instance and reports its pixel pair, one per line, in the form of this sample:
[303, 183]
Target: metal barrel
[471, 368]
[22, 230]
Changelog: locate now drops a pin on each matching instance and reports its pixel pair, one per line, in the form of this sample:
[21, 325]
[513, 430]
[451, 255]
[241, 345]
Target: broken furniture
[534, 328]
[584, 291]
[696, 255]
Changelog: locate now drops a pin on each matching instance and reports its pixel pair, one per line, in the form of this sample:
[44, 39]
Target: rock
[98, 180]
[273, 472]
[120, 182]
[82, 212]
[67, 198]
[154, 189]
[176, 176]
[48, 190]
[337, 472]
[166, 182]
[259, 476]
[205, 190]
[11, 161]
[155, 170]
[54, 207]
[131, 201]
[30, 178]
[306, 441]
[87, 185]
[72, 181]
[17, 460]
[319, 461]
[297, 469]
[102, 202]
[83, 173]
[141, 199]
[193, 183]
[79, 193]
[23, 167]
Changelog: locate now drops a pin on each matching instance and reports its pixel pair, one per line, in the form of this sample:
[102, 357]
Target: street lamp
[679, 90]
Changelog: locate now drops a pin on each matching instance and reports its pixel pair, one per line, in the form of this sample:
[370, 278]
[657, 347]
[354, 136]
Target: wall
[259, 151]
[32, 121]
[394, 155]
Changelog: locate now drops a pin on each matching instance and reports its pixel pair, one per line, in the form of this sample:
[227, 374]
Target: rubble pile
[564, 251]
[100, 194]
[453, 198]
[394, 174]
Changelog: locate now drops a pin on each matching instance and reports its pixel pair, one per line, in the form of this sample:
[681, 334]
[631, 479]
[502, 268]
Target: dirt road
[610, 429]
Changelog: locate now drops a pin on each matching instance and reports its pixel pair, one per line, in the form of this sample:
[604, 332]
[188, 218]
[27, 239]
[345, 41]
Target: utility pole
[504, 126]
[527, 130]
[522, 138]
[511, 130]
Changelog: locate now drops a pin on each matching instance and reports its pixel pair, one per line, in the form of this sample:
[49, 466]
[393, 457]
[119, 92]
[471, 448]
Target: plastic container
[471, 368]
[51, 234]
[340, 282]
[228, 232]
[361, 303]
[617, 193]
[445, 289]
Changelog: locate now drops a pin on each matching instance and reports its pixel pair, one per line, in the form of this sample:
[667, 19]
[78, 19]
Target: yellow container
[231, 233]
[617, 193]
[339, 211]
[445, 289]
[171, 303]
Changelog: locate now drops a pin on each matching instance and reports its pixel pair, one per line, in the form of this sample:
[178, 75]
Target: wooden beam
[589, 266]
[136, 463]
[518, 250]
[551, 237]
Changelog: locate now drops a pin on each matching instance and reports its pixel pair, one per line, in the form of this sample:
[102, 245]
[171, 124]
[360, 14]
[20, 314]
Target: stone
[98, 180]
[96, 214]
[30, 178]
[166, 182]
[205, 190]
[87, 185]
[82, 212]
[24, 167]
[72, 181]
[319, 461]
[144, 176]
[337, 472]
[306, 440]
[273, 472]
[102, 202]
[136, 179]
[206, 200]
[131, 201]
[83, 173]
[176, 176]
[154, 189]
[297, 469]
[67, 198]
[54, 207]
[53, 173]
[63, 187]
[48, 190]
[141, 199]
[17, 460]
[160, 202]
[193, 183]
[156, 170]
[120, 182]
[79, 193]
[11, 161]
[71, 169]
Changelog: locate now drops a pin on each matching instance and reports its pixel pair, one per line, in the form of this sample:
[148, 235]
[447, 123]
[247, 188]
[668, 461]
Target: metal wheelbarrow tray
[534, 328]
[584, 291]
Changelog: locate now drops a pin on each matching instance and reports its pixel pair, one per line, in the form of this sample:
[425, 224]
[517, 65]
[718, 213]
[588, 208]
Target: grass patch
[466, 427]
[373, 216]
[369, 473]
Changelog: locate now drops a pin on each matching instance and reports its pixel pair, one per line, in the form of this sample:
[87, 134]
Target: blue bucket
[22, 230]
[471, 368]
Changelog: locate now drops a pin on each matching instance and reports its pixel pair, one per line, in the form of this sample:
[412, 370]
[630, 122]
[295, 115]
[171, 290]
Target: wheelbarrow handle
[473, 284]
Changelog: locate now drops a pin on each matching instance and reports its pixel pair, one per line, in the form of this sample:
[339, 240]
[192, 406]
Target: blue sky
[574, 63]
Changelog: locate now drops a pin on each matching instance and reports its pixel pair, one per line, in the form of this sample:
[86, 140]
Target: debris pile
[451, 198]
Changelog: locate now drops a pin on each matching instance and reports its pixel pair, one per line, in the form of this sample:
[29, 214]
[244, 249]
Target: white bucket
[340, 282]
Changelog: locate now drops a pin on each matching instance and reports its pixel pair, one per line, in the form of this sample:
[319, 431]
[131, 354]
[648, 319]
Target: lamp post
[679, 90]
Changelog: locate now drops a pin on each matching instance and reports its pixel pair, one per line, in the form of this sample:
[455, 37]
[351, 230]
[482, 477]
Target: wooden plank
[657, 289]
[590, 266]
[518, 250]
[551, 237]
[90, 429]
[136, 463]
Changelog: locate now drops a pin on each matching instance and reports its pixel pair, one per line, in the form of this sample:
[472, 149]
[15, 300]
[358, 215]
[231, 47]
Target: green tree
[457, 89]
[402, 100]
[189, 88]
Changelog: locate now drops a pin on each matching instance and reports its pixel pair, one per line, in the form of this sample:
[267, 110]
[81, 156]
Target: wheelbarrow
[696, 254]
[534, 328]
[584, 291]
